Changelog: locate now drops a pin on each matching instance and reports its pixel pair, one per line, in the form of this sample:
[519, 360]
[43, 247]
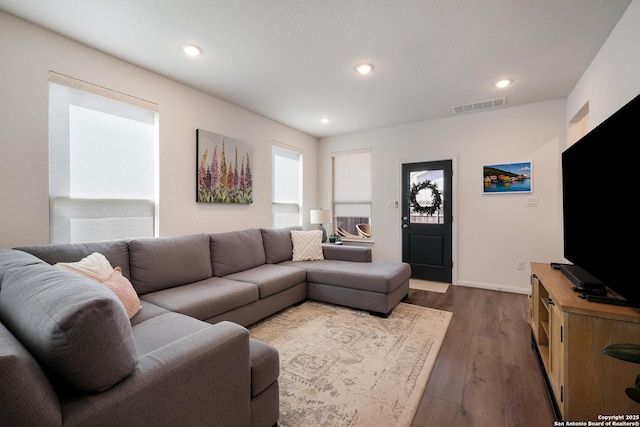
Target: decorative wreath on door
[436, 198]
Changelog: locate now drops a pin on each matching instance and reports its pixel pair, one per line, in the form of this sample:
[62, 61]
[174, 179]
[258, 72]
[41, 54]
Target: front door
[427, 238]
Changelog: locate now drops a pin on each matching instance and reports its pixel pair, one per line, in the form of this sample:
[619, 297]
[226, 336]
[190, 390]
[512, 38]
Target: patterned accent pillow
[124, 291]
[307, 245]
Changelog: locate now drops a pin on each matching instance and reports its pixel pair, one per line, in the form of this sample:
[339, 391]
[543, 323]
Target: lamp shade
[320, 216]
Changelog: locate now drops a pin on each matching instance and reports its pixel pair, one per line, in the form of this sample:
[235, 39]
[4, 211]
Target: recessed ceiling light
[503, 83]
[364, 68]
[191, 49]
[325, 120]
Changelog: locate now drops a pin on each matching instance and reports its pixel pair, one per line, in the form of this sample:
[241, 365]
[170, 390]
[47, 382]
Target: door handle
[404, 218]
[405, 226]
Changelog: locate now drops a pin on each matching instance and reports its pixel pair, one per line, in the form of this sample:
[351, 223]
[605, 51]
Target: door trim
[454, 224]
[454, 212]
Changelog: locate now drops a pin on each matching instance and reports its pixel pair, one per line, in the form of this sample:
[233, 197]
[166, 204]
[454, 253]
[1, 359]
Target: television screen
[599, 179]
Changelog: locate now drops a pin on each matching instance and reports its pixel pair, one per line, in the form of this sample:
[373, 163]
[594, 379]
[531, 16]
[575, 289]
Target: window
[287, 187]
[102, 163]
[352, 193]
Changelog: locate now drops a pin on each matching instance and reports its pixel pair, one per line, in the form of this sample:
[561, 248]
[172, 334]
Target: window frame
[340, 202]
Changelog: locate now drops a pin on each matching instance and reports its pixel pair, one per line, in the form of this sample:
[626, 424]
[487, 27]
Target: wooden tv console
[569, 334]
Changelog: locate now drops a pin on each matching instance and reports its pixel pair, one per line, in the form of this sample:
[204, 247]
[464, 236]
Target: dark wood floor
[486, 373]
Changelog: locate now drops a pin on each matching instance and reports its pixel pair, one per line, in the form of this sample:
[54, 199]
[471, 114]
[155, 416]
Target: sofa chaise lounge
[70, 355]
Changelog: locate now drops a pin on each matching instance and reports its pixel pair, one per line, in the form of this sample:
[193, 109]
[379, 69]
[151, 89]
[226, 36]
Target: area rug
[344, 367]
[425, 285]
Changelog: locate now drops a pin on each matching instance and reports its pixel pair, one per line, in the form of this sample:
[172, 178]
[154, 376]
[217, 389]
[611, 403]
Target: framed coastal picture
[507, 178]
[223, 169]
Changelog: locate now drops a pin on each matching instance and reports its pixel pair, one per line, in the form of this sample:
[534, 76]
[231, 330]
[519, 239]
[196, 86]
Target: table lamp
[321, 216]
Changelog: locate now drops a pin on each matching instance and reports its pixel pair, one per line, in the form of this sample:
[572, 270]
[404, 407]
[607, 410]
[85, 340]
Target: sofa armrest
[346, 253]
[202, 377]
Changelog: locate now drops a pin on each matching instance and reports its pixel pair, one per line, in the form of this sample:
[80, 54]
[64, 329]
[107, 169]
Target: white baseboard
[494, 287]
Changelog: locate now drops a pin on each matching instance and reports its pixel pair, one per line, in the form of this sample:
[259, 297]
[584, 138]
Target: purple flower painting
[223, 169]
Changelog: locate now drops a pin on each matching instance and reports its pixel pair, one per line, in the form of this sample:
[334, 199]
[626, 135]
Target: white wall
[28, 52]
[613, 77]
[493, 232]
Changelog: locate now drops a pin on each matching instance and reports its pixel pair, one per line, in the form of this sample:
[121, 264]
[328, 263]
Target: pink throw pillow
[124, 291]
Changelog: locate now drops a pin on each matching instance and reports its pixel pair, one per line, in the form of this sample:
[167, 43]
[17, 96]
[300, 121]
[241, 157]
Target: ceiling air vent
[482, 105]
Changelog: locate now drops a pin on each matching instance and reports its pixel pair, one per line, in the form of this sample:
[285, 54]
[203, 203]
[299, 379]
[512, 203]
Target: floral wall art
[223, 169]
[507, 178]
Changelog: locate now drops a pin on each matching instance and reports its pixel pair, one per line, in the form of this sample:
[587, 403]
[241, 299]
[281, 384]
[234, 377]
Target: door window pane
[425, 196]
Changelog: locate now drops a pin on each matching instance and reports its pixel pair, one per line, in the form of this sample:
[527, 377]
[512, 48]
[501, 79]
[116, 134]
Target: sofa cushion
[205, 299]
[277, 244]
[346, 253]
[236, 251]
[116, 251]
[163, 330]
[307, 245]
[147, 311]
[376, 276]
[27, 396]
[73, 325]
[271, 278]
[164, 262]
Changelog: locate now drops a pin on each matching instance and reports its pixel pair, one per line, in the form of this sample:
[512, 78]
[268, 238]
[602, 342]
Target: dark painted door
[427, 239]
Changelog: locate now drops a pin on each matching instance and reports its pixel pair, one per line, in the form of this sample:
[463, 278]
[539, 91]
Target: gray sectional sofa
[70, 355]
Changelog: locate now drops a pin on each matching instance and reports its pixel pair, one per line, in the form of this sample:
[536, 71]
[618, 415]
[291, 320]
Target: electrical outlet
[520, 264]
[392, 204]
[532, 202]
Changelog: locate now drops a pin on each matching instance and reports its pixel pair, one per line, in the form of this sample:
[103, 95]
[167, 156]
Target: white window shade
[352, 184]
[353, 209]
[108, 156]
[286, 176]
[286, 199]
[285, 215]
[83, 220]
[102, 163]
[352, 178]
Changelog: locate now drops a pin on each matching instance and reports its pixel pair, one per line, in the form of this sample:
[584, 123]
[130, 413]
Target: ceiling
[293, 60]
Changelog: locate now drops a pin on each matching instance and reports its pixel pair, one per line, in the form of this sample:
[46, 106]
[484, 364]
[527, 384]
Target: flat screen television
[599, 179]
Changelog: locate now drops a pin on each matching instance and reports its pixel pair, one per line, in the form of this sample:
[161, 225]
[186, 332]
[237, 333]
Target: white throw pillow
[307, 245]
[95, 267]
